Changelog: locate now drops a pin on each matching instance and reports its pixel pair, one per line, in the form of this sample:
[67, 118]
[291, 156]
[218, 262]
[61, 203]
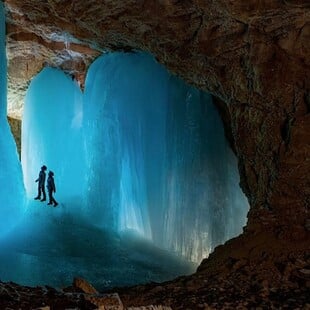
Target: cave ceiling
[236, 50]
[253, 55]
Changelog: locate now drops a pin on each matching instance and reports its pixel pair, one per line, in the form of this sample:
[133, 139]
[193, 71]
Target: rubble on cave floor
[237, 285]
[237, 278]
[248, 272]
[82, 295]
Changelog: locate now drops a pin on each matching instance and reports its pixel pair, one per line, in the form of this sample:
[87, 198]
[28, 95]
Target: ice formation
[140, 151]
[157, 159]
[51, 135]
[142, 171]
[11, 185]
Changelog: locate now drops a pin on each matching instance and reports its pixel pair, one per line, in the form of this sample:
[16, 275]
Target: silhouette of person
[41, 184]
[51, 188]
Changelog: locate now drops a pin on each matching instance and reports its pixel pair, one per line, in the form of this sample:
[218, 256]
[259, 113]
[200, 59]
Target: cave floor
[51, 247]
[248, 272]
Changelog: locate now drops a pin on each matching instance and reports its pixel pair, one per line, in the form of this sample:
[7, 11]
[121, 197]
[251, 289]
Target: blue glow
[51, 135]
[11, 186]
[158, 161]
[142, 171]
[144, 152]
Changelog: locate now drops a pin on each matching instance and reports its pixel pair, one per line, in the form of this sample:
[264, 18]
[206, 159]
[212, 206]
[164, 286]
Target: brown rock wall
[15, 125]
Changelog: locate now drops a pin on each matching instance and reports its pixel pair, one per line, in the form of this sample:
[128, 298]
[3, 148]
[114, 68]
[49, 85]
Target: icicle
[11, 185]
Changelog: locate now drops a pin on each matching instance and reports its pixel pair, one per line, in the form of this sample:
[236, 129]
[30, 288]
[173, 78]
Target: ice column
[11, 185]
[125, 113]
[157, 159]
[204, 204]
[52, 135]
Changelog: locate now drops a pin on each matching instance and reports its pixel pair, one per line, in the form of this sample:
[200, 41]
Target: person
[41, 184]
[51, 188]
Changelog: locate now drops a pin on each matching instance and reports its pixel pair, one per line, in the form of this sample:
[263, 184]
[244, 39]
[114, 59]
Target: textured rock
[84, 286]
[151, 307]
[28, 53]
[13, 296]
[242, 274]
[15, 125]
[106, 301]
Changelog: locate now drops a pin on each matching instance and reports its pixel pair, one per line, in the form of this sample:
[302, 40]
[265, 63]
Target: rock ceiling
[233, 49]
[253, 55]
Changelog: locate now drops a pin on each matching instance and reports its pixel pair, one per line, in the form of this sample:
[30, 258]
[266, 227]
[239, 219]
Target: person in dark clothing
[41, 184]
[51, 188]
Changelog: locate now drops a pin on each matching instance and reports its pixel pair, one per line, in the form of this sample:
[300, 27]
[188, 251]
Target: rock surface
[239, 275]
[254, 56]
[83, 285]
[82, 295]
[15, 125]
[13, 296]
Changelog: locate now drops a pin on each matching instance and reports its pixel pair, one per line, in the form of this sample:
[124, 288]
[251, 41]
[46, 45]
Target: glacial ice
[143, 174]
[11, 186]
[141, 151]
[157, 158]
[51, 135]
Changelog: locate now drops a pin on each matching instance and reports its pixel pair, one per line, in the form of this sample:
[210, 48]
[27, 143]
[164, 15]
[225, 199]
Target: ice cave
[146, 181]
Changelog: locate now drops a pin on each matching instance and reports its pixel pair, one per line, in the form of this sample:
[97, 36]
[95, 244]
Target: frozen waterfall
[140, 151]
[157, 159]
[52, 135]
[11, 185]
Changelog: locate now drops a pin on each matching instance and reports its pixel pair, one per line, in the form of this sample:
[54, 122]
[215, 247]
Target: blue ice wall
[140, 151]
[11, 186]
[52, 135]
[204, 203]
[125, 114]
[2, 62]
[157, 159]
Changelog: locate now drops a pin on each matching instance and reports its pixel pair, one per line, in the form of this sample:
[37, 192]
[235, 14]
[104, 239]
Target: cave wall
[254, 56]
[15, 125]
